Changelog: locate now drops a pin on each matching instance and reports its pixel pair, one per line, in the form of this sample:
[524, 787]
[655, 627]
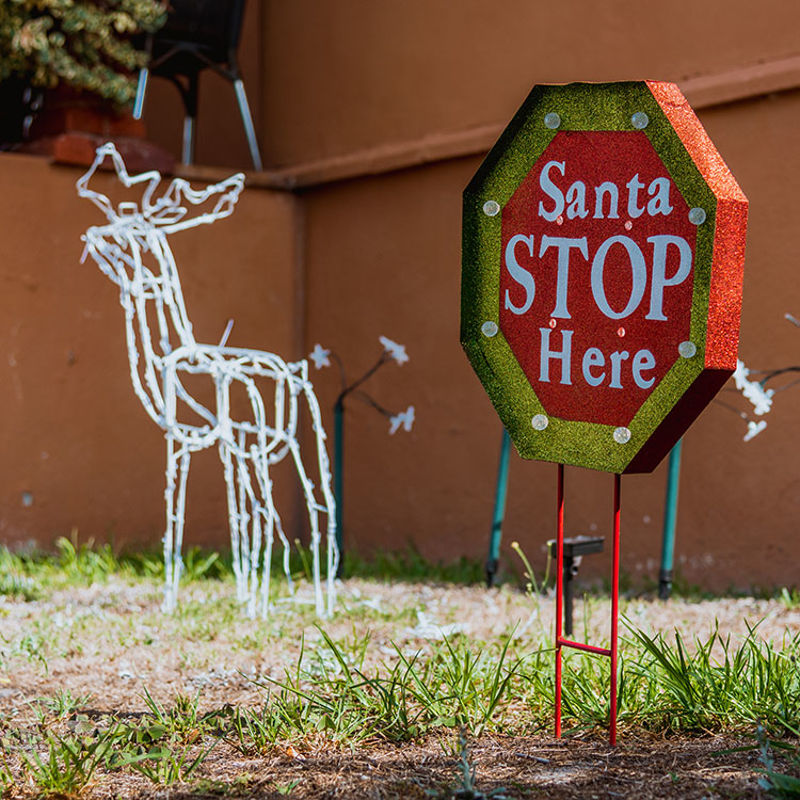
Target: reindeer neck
[156, 321]
[161, 318]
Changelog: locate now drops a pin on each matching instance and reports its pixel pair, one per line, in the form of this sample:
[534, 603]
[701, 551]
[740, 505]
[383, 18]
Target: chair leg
[141, 88]
[189, 95]
[187, 156]
[247, 121]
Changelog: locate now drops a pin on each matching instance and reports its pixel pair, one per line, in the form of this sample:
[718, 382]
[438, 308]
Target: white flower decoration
[754, 428]
[395, 350]
[319, 355]
[404, 419]
[753, 390]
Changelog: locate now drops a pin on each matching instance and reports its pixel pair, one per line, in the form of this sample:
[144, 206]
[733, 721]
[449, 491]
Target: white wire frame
[132, 249]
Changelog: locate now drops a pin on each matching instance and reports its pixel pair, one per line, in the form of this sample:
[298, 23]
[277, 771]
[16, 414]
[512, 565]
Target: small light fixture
[697, 216]
[622, 435]
[552, 120]
[539, 422]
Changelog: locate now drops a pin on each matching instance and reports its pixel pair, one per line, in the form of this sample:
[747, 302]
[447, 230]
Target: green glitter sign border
[586, 107]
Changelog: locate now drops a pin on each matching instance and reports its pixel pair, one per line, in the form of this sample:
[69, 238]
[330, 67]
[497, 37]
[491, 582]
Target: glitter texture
[704, 182]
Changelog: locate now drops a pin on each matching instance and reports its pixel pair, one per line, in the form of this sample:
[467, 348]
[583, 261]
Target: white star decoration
[395, 350]
[759, 397]
[319, 355]
[404, 419]
[752, 390]
[754, 428]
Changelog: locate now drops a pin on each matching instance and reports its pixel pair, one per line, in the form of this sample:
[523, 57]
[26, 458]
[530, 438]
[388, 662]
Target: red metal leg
[559, 593]
[560, 640]
[614, 615]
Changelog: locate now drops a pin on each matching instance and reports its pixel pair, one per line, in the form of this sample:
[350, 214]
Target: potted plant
[70, 56]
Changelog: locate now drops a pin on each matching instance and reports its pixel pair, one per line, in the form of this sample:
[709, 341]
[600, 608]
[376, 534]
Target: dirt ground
[107, 642]
[522, 767]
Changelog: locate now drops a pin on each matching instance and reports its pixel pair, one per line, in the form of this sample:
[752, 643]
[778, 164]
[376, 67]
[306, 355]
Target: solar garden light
[392, 351]
[575, 548]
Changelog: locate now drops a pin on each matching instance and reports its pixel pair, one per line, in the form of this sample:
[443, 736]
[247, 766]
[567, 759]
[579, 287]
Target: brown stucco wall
[347, 76]
[358, 78]
[74, 436]
[383, 257]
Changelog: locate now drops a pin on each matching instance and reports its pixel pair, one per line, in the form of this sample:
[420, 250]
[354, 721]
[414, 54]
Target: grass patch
[411, 566]
[379, 673]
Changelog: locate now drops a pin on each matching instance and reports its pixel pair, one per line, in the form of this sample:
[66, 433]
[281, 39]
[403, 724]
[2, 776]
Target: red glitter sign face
[596, 277]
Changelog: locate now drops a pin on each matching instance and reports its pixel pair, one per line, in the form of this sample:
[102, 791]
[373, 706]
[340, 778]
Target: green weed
[779, 784]
[67, 765]
[334, 696]
[19, 587]
[286, 788]
[790, 598]
[181, 722]
[164, 766]
[468, 789]
[714, 685]
[84, 563]
[411, 566]
[62, 704]
[33, 647]
[533, 588]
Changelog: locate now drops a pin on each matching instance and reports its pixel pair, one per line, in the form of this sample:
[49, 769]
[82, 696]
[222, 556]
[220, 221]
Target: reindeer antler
[169, 211]
[151, 178]
[180, 192]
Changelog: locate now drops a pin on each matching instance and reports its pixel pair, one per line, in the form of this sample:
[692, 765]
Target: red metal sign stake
[559, 593]
[612, 733]
[561, 641]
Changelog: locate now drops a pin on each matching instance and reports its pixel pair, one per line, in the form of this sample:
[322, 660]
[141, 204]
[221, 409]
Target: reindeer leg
[313, 510]
[248, 500]
[180, 511]
[175, 507]
[169, 534]
[245, 545]
[261, 460]
[226, 456]
[272, 521]
[329, 502]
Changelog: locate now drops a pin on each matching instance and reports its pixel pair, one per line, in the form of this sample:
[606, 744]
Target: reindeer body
[133, 251]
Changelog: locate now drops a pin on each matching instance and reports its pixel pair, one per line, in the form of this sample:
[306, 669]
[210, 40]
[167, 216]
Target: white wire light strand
[132, 249]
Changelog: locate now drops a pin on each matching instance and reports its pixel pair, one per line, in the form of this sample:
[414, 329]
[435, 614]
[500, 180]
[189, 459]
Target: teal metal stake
[670, 519]
[499, 509]
[338, 432]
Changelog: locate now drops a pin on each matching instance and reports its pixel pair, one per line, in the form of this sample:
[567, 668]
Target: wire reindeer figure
[132, 249]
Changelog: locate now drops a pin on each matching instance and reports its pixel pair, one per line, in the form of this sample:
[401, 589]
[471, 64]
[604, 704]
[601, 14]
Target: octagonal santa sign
[602, 273]
[601, 287]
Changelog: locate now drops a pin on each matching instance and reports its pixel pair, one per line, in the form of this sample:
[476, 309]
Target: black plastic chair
[198, 35]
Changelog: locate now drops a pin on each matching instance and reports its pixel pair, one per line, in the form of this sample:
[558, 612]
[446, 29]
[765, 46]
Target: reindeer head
[169, 212]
